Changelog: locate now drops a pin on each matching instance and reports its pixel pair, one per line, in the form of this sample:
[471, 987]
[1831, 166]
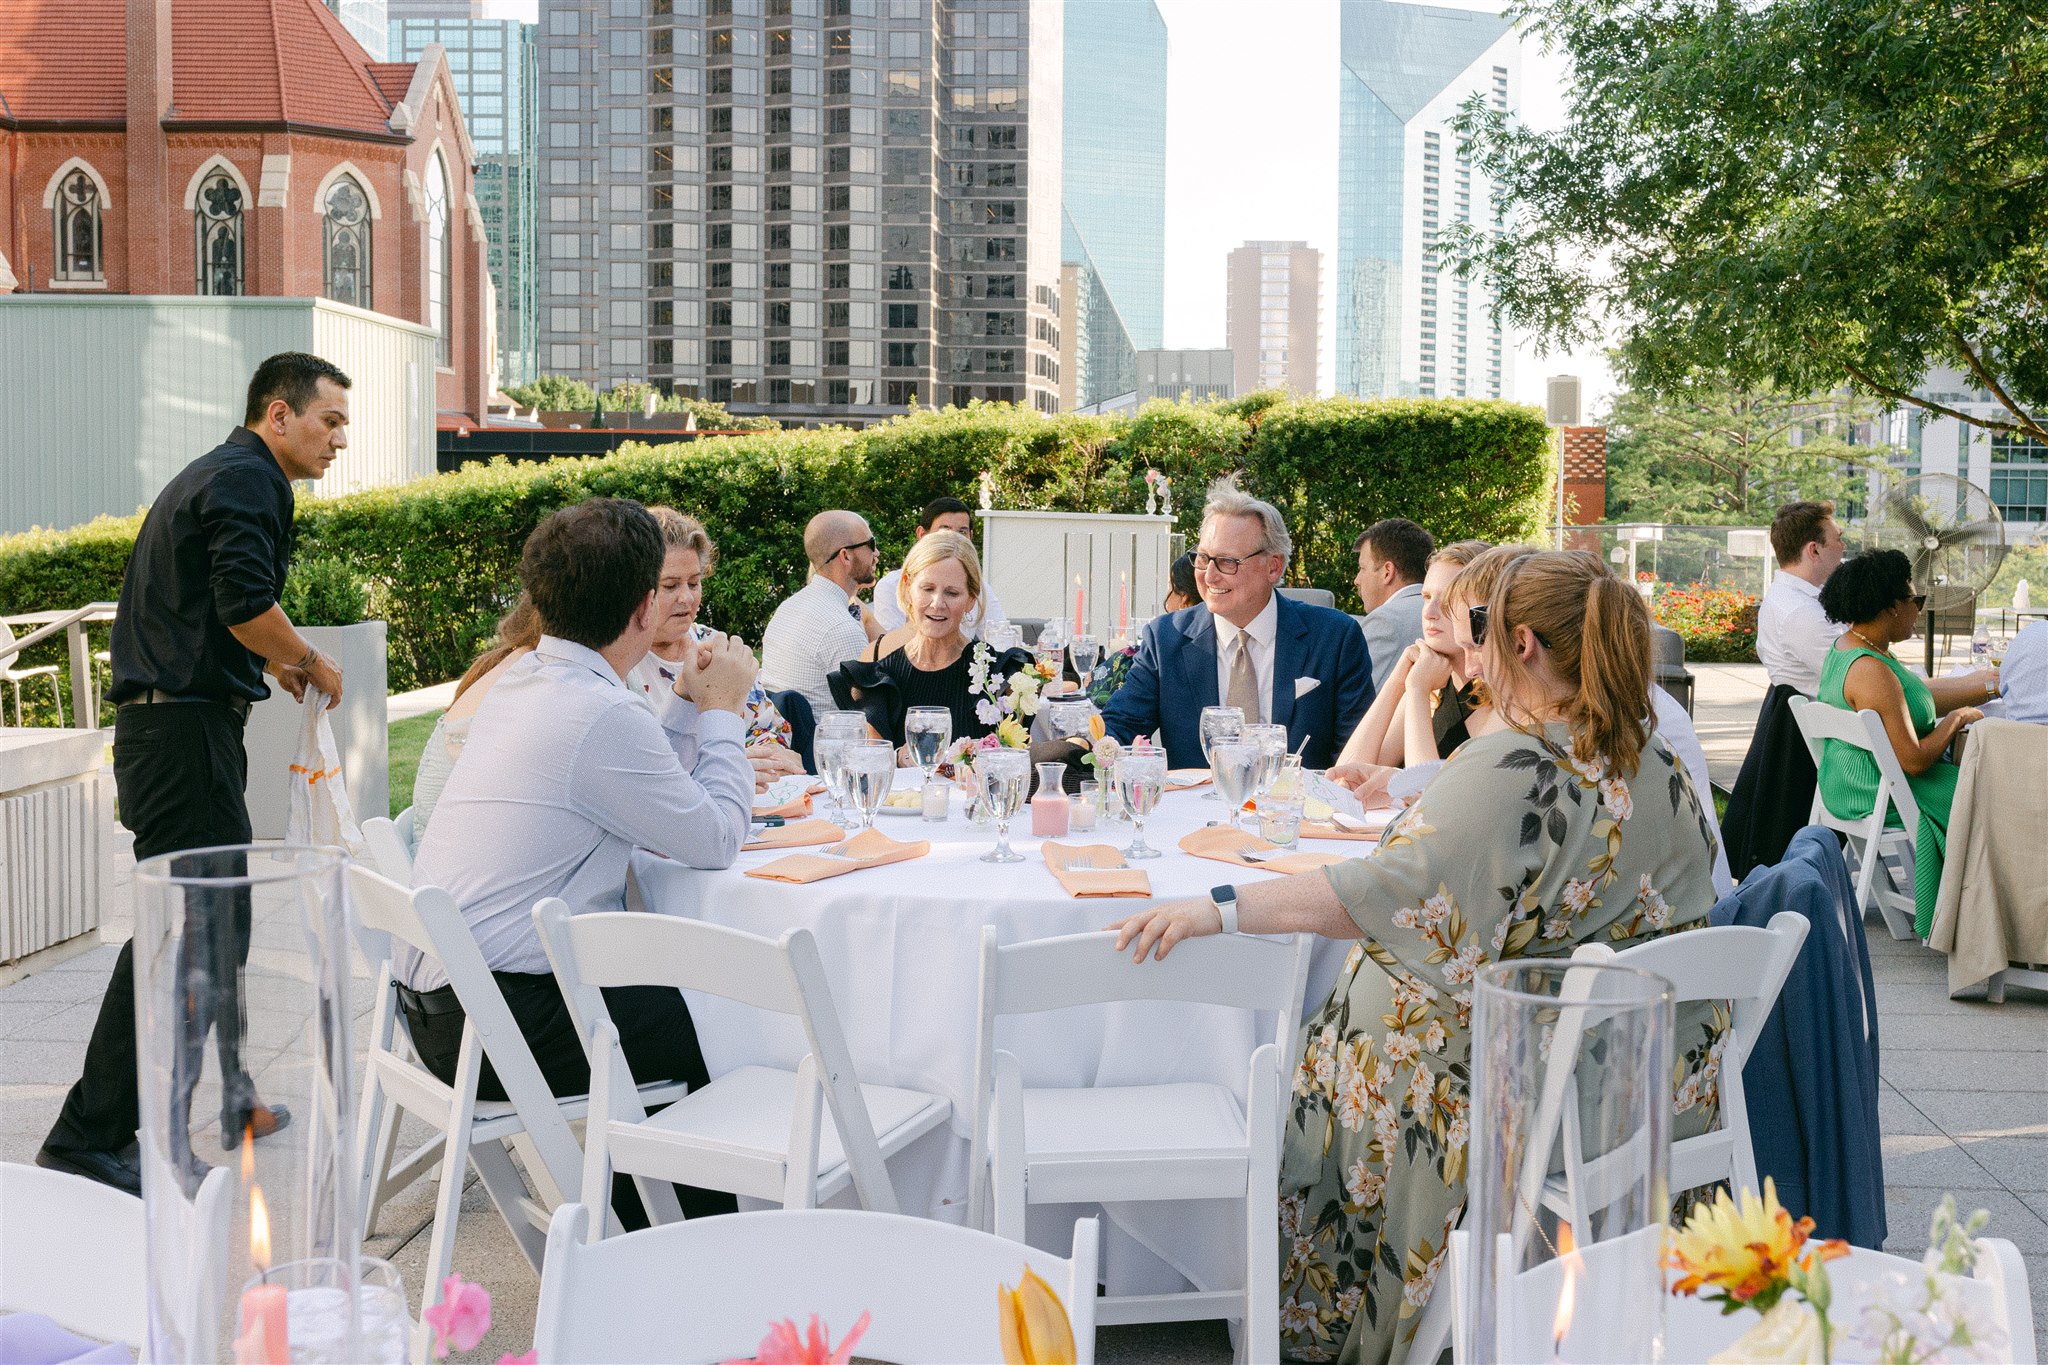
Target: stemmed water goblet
[1050, 649]
[1087, 652]
[870, 766]
[1005, 774]
[927, 730]
[1272, 742]
[1217, 723]
[836, 730]
[1141, 780]
[1234, 763]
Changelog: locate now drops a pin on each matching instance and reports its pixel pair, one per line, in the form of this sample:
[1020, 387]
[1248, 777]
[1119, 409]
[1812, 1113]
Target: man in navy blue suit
[1280, 660]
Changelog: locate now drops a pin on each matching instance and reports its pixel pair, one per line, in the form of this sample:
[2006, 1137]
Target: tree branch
[2025, 427]
[1985, 378]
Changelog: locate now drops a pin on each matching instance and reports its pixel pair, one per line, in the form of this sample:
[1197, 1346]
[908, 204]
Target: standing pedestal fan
[1952, 532]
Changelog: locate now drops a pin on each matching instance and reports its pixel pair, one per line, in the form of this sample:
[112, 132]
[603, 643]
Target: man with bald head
[821, 626]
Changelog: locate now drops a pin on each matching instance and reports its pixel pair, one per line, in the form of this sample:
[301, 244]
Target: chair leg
[441, 1247]
[502, 1182]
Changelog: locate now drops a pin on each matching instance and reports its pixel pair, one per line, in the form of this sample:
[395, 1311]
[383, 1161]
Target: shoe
[260, 1119]
[122, 1169]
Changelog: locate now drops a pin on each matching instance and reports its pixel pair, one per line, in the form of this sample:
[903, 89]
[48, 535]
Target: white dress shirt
[1793, 635]
[1677, 729]
[1259, 637]
[566, 771]
[2023, 676]
[890, 612]
[810, 635]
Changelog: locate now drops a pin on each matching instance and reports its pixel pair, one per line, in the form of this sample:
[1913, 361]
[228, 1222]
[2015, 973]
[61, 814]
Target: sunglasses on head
[1476, 617]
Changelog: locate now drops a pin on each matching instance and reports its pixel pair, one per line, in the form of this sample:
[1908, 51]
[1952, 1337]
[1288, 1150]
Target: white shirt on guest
[1677, 729]
[809, 636]
[2023, 676]
[567, 771]
[1793, 635]
[890, 612]
[1259, 637]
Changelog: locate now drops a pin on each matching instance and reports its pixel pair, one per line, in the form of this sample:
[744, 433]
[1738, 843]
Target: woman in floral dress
[1576, 825]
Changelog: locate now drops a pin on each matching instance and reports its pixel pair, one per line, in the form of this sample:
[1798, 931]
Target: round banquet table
[901, 946]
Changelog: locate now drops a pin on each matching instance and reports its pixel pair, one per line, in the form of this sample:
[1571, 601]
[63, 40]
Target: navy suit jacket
[1174, 677]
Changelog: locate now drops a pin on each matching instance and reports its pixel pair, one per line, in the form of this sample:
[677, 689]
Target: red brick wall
[1585, 474]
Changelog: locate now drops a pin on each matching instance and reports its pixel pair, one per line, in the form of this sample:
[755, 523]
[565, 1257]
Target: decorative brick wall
[1585, 474]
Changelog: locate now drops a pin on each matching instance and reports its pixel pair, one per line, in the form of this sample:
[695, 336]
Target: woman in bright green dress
[1873, 596]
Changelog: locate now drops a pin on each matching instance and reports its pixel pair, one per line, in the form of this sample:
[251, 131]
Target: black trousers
[655, 1034]
[180, 771]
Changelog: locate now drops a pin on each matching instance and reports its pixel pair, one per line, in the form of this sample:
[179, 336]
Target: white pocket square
[1304, 686]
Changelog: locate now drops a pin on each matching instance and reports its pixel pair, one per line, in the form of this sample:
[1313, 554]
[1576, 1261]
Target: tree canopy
[1792, 193]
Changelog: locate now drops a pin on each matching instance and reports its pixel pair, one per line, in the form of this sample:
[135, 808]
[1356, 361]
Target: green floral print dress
[1516, 849]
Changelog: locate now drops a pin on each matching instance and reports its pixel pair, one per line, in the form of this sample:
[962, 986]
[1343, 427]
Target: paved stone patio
[1964, 1104]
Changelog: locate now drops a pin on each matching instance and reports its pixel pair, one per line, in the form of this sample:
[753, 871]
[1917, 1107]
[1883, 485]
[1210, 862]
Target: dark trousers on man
[655, 1034]
[180, 772]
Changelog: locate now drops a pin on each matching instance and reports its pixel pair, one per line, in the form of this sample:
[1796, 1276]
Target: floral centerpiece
[1914, 1320]
[1754, 1256]
[1008, 702]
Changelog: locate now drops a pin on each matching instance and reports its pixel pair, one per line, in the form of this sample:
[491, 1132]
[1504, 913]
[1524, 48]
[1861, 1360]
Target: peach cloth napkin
[1094, 870]
[1230, 845]
[788, 810]
[800, 834]
[869, 848]
[1376, 822]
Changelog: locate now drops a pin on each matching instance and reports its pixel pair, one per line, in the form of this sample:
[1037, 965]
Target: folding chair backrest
[72, 1250]
[390, 850]
[1743, 965]
[425, 919]
[591, 952]
[707, 1289]
[1819, 722]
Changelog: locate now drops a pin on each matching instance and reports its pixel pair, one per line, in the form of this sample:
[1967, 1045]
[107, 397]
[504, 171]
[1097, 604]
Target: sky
[1251, 154]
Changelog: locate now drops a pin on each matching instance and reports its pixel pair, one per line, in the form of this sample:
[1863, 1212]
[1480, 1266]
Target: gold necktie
[1244, 683]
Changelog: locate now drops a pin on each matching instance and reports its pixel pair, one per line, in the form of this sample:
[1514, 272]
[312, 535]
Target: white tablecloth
[901, 945]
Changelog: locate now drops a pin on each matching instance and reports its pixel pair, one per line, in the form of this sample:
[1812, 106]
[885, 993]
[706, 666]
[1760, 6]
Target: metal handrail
[41, 633]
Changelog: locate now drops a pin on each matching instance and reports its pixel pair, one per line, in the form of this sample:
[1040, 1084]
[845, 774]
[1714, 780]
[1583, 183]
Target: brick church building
[241, 147]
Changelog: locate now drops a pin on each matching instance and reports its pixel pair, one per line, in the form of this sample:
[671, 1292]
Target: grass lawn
[408, 737]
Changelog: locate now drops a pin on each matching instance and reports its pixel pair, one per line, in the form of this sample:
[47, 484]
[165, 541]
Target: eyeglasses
[867, 544]
[1227, 565]
[1476, 616]
[1920, 600]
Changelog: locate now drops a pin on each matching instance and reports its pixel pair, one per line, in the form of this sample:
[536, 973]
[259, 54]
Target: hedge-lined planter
[1718, 624]
[439, 555]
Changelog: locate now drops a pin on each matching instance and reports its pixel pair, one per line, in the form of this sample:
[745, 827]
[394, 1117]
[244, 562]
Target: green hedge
[437, 557]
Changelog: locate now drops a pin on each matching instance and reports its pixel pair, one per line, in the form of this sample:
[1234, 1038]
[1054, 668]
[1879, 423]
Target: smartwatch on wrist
[1224, 898]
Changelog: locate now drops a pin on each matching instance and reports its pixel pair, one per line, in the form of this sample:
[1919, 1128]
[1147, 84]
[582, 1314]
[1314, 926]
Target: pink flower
[783, 1346]
[1152, 476]
[530, 1358]
[462, 1316]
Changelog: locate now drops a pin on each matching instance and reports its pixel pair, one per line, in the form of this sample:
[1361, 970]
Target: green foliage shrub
[324, 591]
[1718, 624]
[438, 557]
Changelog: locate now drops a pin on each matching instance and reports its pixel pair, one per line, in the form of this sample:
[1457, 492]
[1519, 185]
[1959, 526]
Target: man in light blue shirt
[567, 771]
[2023, 677]
[1393, 555]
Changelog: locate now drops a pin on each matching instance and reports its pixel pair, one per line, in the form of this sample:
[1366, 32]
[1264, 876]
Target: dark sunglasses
[867, 544]
[1919, 600]
[1476, 616]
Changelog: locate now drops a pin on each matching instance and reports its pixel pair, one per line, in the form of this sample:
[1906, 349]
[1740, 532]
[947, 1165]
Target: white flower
[1305, 1076]
[1290, 1214]
[1364, 1186]
[1688, 1094]
[1556, 927]
[1578, 895]
[1350, 1110]
[1347, 1302]
[1326, 1067]
[1434, 1036]
[1590, 772]
[1436, 910]
[1296, 1318]
[1386, 1126]
[1459, 970]
[1458, 1133]
[1421, 1089]
[987, 712]
[1406, 918]
[1400, 1048]
[1615, 800]
[1500, 935]
[1326, 1041]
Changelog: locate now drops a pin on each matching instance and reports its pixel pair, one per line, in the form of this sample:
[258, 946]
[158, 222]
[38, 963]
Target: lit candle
[1080, 607]
[264, 1337]
[1568, 1292]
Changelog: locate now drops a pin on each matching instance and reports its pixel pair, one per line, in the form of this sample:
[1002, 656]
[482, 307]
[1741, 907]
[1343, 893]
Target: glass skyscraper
[1113, 193]
[1405, 325]
[364, 20]
[493, 65]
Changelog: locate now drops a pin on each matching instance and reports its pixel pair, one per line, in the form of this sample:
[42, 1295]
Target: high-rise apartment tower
[1273, 313]
[1406, 325]
[805, 208]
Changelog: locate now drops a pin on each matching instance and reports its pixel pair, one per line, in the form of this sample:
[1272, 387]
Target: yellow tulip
[1035, 1326]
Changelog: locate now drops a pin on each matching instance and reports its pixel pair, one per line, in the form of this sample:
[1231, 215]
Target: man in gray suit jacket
[1392, 557]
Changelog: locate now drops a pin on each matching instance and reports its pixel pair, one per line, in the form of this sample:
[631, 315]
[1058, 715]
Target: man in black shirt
[199, 626]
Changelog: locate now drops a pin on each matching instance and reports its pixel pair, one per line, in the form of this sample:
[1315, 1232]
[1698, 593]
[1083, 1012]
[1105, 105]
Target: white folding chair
[72, 1250]
[709, 1288]
[15, 677]
[756, 1130]
[468, 1131]
[1868, 837]
[390, 843]
[1149, 1142]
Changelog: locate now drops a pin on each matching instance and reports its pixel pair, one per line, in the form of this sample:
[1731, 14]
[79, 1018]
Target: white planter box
[361, 731]
[49, 837]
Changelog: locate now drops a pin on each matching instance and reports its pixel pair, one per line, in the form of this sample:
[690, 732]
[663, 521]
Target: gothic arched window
[347, 212]
[217, 225]
[76, 222]
[437, 255]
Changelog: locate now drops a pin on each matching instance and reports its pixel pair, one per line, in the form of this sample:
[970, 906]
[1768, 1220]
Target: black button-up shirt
[212, 553]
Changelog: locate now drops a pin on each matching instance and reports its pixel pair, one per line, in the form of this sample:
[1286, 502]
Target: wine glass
[928, 730]
[836, 730]
[1005, 774]
[1219, 722]
[1141, 780]
[1235, 764]
[1069, 719]
[1003, 636]
[870, 766]
[1272, 742]
[1087, 652]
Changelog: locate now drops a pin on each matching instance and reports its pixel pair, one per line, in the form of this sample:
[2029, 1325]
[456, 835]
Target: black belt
[155, 697]
[429, 1003]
